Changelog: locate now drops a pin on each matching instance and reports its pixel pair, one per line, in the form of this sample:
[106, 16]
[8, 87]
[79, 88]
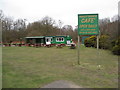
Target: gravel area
[61, 84]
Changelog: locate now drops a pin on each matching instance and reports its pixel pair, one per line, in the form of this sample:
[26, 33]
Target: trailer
[49, 40]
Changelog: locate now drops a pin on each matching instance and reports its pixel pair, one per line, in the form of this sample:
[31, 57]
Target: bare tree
[60, 23]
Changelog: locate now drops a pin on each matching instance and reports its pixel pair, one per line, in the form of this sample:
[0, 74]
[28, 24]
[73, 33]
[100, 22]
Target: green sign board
[88, 24]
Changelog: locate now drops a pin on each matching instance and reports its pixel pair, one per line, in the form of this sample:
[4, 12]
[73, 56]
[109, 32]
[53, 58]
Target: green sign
[88, 24]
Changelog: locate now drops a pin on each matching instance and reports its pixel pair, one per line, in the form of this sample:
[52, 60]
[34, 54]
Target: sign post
[78, 49]
[97, 42]
[87, 25]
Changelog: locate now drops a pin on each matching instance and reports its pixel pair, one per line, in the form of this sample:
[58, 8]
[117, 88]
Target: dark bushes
[116, 50]
[90, 42]
[116, 47]
[104, 43]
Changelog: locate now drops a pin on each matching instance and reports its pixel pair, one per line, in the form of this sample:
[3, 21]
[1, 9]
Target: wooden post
[78, 49]
[97, 42]
[98, 54]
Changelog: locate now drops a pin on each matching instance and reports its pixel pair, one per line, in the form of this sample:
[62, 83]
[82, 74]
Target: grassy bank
[29, 67]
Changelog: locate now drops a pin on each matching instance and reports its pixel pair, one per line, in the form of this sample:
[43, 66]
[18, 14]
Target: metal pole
[78, 49]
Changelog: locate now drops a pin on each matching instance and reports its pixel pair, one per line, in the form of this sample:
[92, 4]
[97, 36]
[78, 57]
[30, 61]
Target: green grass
[29, 67]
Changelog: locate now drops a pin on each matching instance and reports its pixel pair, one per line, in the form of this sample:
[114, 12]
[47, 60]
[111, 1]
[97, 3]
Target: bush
[116, 47]
[87, 42]
[113, 43]
[117, 41]
[72, 46]
[90, 42]
[104, 42]
[116, 50]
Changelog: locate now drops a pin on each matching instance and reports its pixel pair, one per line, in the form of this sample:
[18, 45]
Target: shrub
[72, 46]
[117, 41]
[113, 43]
[116, 50]
[87, 42]
[116, 47]
[104, 42]
[90, 42]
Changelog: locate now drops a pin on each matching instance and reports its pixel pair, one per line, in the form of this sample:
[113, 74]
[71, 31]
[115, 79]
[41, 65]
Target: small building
[63, 39]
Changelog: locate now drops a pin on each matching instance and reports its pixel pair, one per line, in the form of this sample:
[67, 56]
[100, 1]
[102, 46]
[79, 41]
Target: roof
[36, 37]
[61, 35]
[48, 36]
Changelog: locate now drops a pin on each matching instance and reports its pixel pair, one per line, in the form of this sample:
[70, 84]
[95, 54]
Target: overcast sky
[64, 10]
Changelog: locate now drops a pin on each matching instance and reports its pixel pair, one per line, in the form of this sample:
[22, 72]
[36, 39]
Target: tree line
[14, 30]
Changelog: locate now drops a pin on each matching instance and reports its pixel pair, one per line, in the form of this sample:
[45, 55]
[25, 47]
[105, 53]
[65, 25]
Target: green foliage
[90, 42]
[116, 47]
[116, 50]
[113, 43]
[104, 42]
[117, 41]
